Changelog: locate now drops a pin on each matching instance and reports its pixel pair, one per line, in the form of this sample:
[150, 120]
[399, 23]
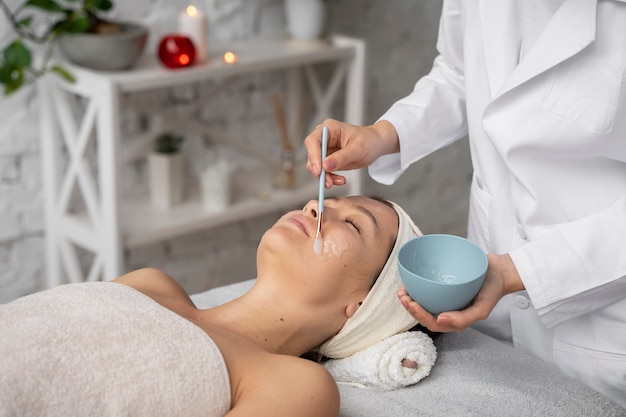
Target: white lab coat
[548, 147]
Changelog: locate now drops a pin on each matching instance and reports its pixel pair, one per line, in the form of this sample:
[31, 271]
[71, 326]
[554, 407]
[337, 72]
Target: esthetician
[539, 88]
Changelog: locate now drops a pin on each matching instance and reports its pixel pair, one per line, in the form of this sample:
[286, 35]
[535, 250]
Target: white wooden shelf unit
[108, 224]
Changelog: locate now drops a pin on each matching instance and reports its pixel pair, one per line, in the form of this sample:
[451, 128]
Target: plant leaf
[102, 5]
[65, 74]
[58, 27]
[73, 23]
[16, 55]
[17, 79]
[48, 5]
[6, 74]
[78, 24]
[25, 22]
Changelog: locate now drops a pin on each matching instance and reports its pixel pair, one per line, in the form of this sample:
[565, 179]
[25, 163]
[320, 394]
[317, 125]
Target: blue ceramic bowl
[442, 272]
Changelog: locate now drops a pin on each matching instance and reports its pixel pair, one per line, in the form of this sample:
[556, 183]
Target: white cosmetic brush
[317, 246]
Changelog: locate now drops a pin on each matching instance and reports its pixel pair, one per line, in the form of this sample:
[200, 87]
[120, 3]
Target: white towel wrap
[106, 349]
[381, 315]
[380, 365]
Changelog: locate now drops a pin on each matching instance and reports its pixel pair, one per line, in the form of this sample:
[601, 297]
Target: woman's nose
[311, 208]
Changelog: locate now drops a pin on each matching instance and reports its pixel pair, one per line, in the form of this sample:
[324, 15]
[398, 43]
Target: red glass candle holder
[176, 51]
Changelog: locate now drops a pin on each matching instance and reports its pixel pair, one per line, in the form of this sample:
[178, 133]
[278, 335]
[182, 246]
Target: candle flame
[191, 10]
[184, 59]
[230, 58]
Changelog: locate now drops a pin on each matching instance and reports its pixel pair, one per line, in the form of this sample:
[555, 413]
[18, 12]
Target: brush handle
[320, 197]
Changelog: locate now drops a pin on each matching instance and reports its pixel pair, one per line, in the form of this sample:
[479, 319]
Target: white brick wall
[401, 38]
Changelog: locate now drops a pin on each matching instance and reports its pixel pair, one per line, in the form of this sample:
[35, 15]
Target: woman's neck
[272, 321]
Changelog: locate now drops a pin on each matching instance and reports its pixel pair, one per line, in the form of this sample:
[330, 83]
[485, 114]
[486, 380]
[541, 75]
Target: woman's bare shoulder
[289, 386]
[153, 283]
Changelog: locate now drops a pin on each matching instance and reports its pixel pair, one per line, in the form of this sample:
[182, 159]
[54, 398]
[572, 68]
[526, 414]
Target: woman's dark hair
[388, 204]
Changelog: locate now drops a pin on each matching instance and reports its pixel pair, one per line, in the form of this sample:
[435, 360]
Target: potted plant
[85, 38]
[306, 19]
[165, 164]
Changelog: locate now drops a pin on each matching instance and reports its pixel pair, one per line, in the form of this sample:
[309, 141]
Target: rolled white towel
[381, 364]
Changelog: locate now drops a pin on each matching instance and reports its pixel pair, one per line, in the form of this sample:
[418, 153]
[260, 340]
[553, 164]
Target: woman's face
[358, 234]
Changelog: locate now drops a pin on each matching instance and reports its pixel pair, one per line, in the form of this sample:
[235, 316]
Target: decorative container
[166, 179]
[216, 186]
[106, 52]
[306, 19]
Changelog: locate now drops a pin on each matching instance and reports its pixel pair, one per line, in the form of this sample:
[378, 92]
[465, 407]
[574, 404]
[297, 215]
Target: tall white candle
[193, 23]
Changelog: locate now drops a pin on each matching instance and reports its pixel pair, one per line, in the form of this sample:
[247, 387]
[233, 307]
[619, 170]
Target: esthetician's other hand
[349, 147]
[502, 278]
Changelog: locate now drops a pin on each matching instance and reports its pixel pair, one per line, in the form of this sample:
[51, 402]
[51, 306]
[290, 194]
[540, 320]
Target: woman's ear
[352, 308]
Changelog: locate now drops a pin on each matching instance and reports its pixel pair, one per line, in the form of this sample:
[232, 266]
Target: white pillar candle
[216, 185]
[193, 24]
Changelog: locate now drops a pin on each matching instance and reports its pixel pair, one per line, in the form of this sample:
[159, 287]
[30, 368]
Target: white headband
[381, 315]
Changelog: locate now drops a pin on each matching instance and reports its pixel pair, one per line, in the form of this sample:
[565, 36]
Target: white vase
[166, 179]
[306, 19]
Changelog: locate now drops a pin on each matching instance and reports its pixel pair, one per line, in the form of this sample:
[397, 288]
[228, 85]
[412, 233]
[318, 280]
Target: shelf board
[253, 56]
[142, 224]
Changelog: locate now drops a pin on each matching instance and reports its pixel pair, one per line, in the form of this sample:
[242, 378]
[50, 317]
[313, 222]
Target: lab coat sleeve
[433, 115]
[577, 267]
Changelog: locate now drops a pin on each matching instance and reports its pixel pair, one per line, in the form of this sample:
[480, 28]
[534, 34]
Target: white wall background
[401, 37]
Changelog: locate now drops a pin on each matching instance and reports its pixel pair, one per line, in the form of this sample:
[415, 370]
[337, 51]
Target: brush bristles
[317, 246]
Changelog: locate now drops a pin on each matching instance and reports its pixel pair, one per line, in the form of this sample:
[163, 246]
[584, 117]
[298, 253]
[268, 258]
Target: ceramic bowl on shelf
[106, 52]
[442, 272]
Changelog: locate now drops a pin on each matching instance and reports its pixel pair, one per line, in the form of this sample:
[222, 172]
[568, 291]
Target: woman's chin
[279, 245]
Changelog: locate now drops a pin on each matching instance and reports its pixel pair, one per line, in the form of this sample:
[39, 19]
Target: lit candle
[193, 23]
[230, 58]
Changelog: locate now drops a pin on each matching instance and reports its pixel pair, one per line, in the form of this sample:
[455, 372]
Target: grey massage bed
[475, 375]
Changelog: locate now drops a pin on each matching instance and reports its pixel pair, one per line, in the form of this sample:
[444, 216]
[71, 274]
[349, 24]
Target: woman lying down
[138, 346]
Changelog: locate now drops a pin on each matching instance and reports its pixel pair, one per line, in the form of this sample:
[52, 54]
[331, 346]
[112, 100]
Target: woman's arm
[434, 114]
[577, 267]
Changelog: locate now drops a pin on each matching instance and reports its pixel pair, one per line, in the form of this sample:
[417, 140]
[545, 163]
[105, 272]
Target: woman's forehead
[373, 203]
[382, 212]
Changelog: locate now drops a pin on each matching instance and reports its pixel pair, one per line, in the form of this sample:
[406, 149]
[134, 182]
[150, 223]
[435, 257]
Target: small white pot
[306, 19]
[166, 179]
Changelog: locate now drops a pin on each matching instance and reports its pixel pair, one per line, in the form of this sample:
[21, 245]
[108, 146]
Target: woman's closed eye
[354, 224]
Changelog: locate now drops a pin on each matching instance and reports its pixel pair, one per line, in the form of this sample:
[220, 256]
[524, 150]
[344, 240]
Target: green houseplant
[77, 26]
[67, 16]
[168, 143]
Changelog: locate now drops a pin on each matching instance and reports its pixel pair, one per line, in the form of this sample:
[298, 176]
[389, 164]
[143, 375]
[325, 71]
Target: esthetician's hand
[349, 147]
[502, 278]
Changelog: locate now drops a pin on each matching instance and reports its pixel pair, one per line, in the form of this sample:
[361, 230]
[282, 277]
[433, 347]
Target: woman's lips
[301, 223]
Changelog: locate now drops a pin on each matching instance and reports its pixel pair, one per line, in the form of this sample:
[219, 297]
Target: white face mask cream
[317, 246]
[333, 246]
